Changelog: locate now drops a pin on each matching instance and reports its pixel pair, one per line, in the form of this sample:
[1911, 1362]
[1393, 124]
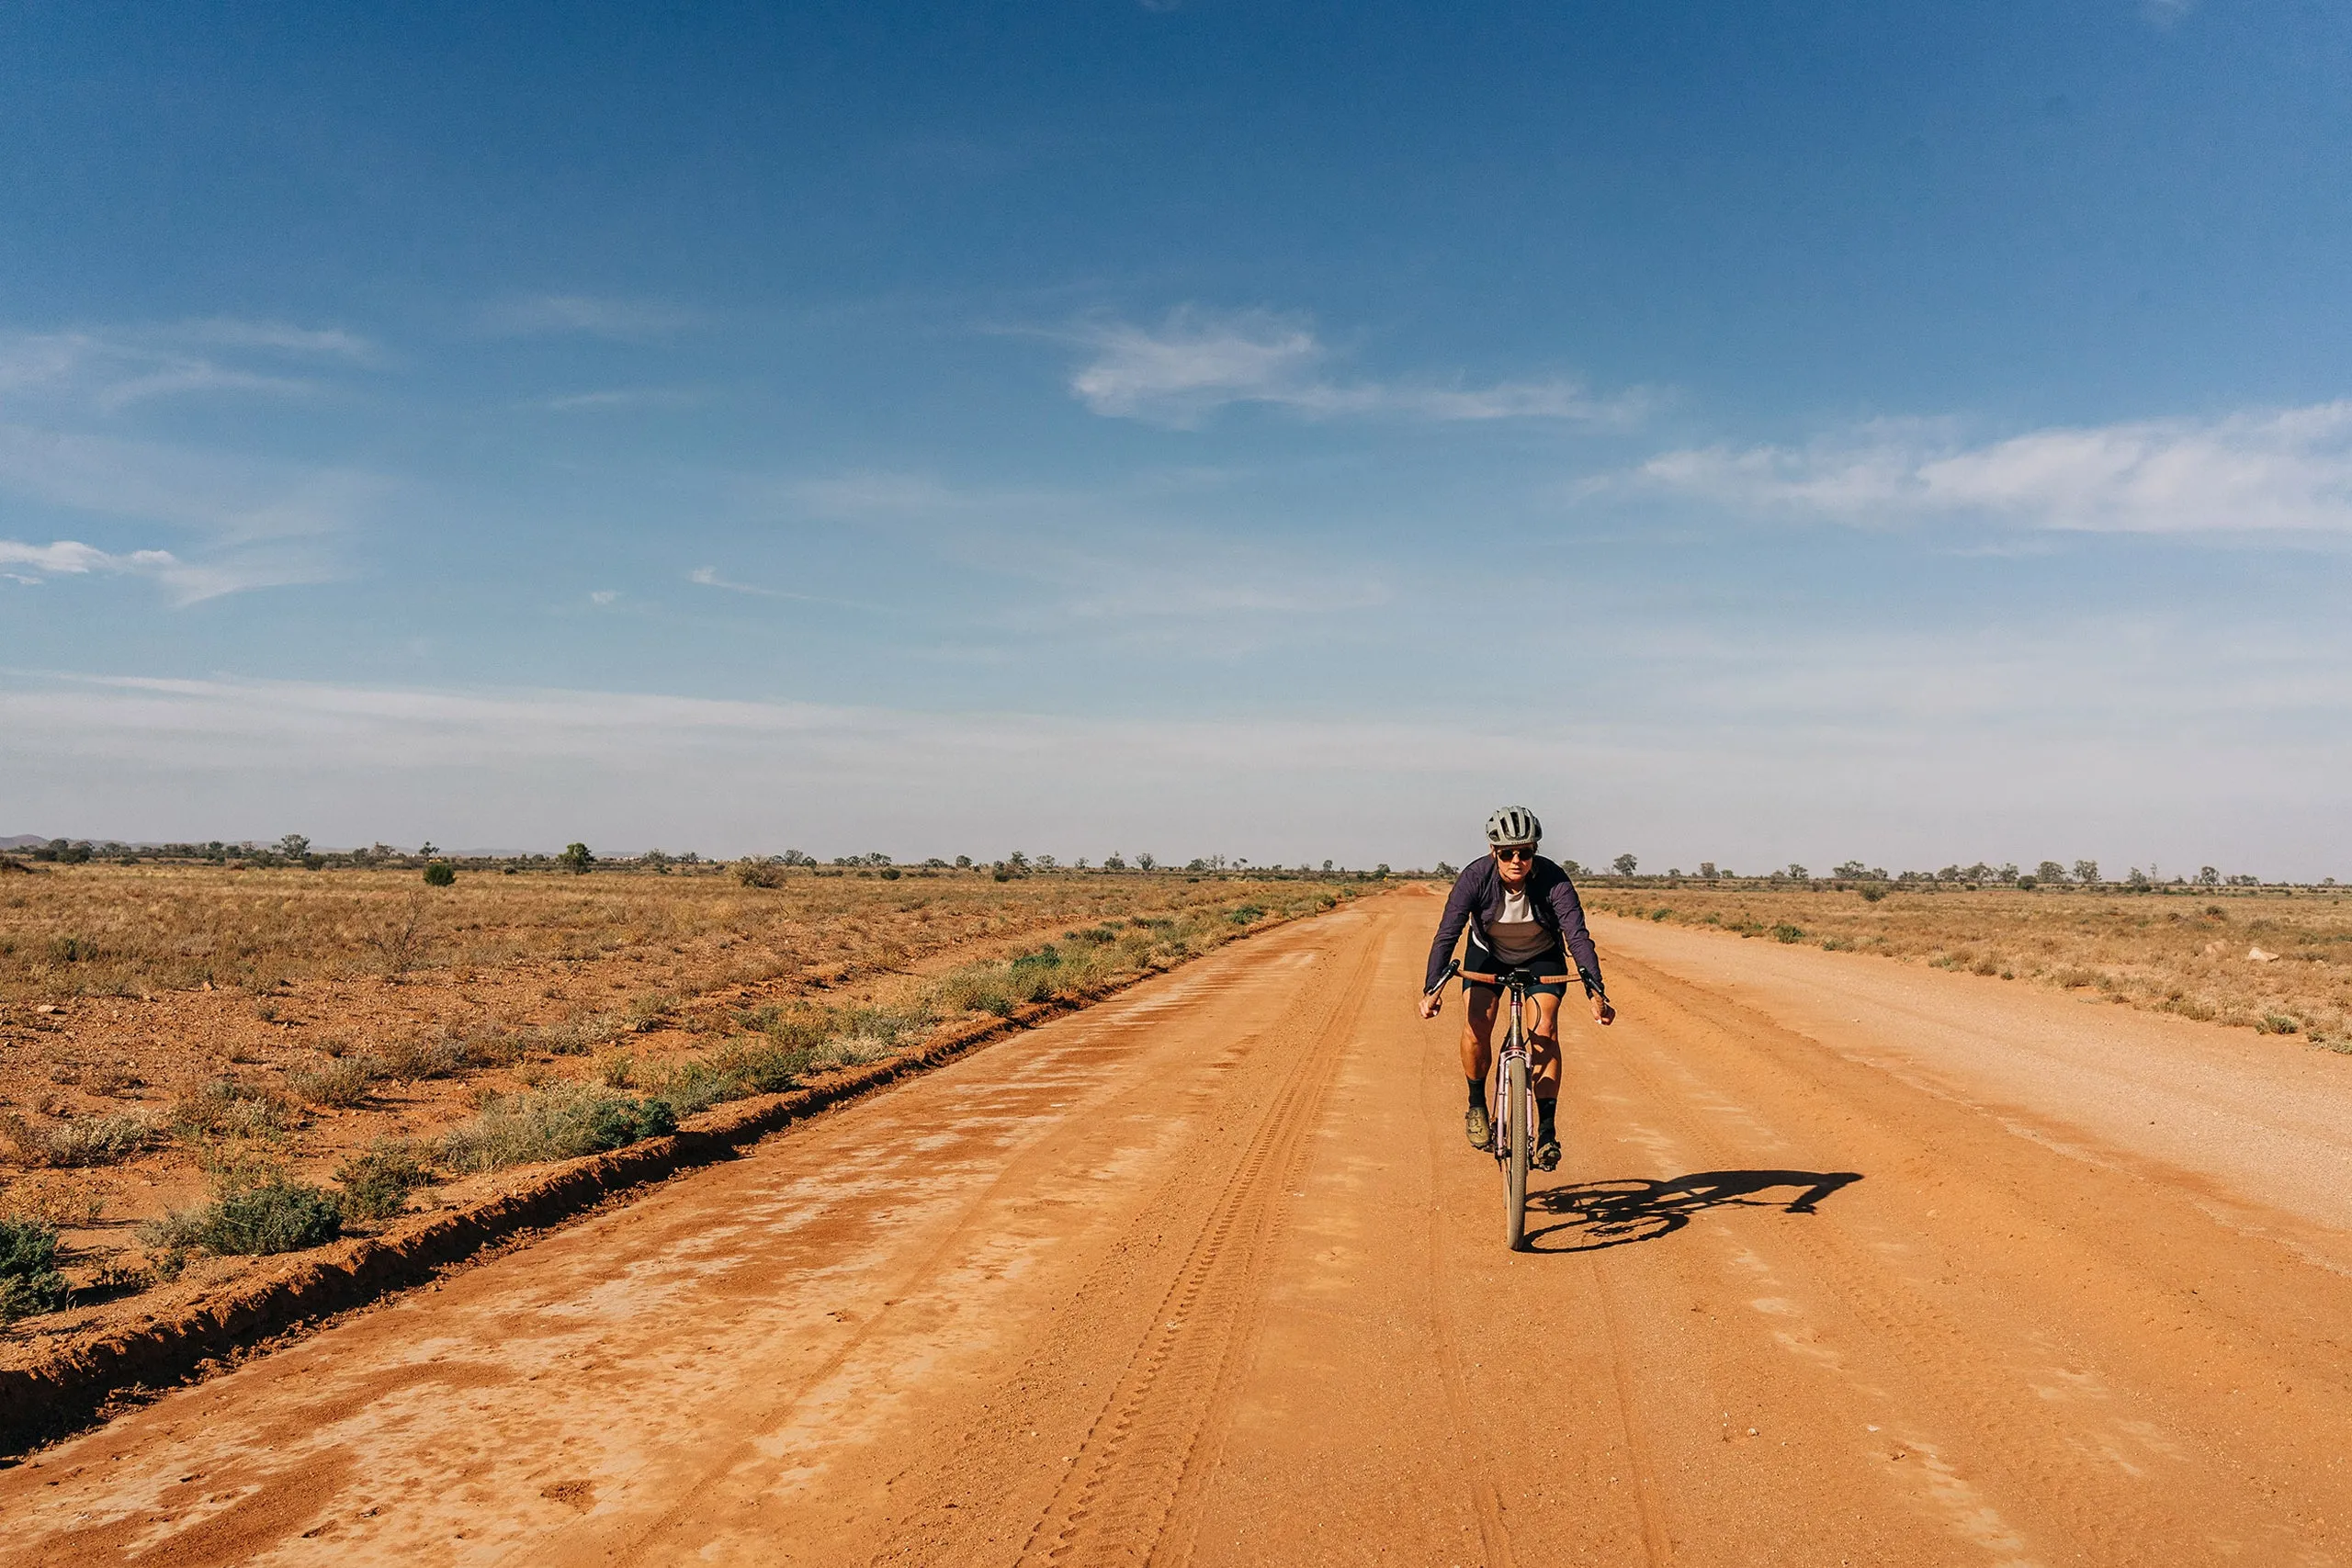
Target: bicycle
[1511, 1124]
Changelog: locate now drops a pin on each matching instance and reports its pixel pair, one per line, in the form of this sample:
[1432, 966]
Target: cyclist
[1522, 913]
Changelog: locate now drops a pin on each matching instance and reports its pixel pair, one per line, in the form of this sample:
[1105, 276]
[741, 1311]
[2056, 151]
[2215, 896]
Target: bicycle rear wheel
[1517, 1153]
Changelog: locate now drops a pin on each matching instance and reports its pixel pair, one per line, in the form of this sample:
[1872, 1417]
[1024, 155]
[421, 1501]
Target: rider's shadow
[1601, 1214]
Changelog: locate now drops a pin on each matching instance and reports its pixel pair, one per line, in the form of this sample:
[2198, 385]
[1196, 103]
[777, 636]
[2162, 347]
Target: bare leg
[1543, 1043]
[1478, 1035]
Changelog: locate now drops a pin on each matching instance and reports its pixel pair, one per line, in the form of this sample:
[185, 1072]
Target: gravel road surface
[1848, 1262]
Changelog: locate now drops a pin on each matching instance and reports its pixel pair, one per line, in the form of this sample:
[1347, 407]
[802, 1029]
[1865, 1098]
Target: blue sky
[1749, 433]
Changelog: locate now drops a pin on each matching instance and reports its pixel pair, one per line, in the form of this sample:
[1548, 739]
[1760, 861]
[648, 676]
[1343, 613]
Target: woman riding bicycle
[1522, 913]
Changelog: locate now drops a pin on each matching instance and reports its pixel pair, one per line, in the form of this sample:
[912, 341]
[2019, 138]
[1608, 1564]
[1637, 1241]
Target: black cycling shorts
[1555, 962]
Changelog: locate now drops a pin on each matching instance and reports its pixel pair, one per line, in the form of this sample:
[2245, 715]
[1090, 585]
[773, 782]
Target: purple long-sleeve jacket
[1477, 897]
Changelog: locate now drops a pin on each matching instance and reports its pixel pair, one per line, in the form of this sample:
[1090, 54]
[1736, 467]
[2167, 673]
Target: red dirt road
[1848, 1262]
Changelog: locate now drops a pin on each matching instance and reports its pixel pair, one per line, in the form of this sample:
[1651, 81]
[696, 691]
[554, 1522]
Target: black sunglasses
[1515, 855]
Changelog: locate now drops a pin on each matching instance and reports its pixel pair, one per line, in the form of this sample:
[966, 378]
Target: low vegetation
[2274, 962]
[30, 1281]
[376, 1184]
[319, 1048]
[277, 1215]
[101, 930]
[556, 1121]
[97, 1140]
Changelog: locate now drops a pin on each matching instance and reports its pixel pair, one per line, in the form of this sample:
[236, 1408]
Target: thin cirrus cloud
[1198, 361]
[257, 525]
[708, 577]
[187, 581]
[107, 370]
[620, 399]
[1101, 554]
[2277, 472]
[586, 315]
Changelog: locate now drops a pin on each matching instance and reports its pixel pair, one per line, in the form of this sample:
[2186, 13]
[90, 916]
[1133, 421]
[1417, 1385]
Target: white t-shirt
[1516, 934]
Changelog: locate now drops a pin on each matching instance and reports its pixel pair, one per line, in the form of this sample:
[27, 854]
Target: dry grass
[217, 1034]
[105, 930]
[2187, 953]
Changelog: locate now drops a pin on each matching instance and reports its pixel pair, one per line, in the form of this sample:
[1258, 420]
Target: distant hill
[25, 841]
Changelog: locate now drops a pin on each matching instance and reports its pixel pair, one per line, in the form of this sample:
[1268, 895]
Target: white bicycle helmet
[1513, 825]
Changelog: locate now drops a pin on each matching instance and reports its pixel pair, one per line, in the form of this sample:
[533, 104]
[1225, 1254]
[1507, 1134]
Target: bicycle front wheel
[1518, 1150]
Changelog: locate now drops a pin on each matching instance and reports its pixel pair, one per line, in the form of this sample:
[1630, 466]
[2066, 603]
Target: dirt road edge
[76, 1385]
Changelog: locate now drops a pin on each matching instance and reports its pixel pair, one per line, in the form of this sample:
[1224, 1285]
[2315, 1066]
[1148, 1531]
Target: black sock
[1545, 1110]
[1477, 1091]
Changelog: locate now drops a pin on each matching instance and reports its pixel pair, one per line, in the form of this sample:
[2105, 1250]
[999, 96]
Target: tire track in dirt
[1657, 1544]
[1106, 1033]
[1939, 1335]
[1484, 1495]
[1210, 1280]
[1126, 1487]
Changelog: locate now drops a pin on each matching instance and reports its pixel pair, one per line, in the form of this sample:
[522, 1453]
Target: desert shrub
[402, 941]
[29, 1281]
[376, 1184]
[232, 1107]
[1786, 933]
[1661, 914]
[2276, 1024]
[440, 873]
[278, 1215]
[441, 1056]
[759, 874]
[647, 1012]
[101, 1140]
[343, 1081]
[886, 1028]
[766, 1066]
[617, 1069]
[95, 1140]
[576, 1039]
[1242, 914]
[557, 1122]
[694, 1086]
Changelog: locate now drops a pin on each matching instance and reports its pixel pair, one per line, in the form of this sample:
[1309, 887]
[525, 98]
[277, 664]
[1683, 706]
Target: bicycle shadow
[1618, 1214]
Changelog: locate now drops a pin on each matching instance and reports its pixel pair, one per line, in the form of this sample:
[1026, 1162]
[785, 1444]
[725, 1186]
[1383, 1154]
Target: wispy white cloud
[254, 524]
[71, 558]
[1197, 361]
[616, 399]
[111, 369]
[232, 499]
[66, 396]
[587, 315]
[2280, 471]
[110, 374]
[708, 577]
[1106, 555]
[279, 337]
[187, 581]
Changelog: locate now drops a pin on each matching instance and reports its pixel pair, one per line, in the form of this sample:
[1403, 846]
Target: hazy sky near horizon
[1750, 433]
